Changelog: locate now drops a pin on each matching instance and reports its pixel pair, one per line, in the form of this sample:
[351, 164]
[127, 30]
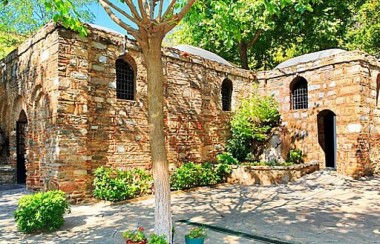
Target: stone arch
[298, 93]
[18, 105]
[126, 71]
[327, 138]
[21, 146]
[226, 91]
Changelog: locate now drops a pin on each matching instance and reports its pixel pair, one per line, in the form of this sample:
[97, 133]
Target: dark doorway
[327, 136]
[21, 126]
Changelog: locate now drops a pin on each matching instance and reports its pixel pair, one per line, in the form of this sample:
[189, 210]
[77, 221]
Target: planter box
[270, 175]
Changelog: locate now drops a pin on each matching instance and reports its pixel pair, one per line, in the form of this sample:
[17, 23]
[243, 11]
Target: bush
[251, 125]
[226, 158]
[239, 147]
[193, 175]
[41, 211]
[117, 185]
[295, 156]
[156, 239]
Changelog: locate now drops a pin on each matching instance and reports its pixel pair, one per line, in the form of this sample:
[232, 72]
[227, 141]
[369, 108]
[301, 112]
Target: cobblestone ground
[320, 208]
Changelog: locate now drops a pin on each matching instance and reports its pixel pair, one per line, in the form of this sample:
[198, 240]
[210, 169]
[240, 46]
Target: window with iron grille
[299, 94]
[125, 80]
[226, 95]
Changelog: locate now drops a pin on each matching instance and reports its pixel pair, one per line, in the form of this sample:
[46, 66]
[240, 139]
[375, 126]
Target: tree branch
[169, 9]
[142, 11]
[160, 10]
[134, 20]
[132, 31]
[133, 9]
[255, 38]
[171, 23]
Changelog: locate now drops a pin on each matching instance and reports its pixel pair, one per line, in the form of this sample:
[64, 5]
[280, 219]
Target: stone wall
[343, 84]
[28, 81]
[76, 123]
[267, 175]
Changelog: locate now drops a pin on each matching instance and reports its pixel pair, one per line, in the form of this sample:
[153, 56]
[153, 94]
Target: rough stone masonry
[63, 87]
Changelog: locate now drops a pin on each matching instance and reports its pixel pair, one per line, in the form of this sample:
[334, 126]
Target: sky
[102, 18]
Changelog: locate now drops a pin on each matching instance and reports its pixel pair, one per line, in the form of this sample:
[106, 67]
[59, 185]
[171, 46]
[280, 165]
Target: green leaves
[117, 185]
[252, 124]
[192, 175]
[41, 211]
[21, 18]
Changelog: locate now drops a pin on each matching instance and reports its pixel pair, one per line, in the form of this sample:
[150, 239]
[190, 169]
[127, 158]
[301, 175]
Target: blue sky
[102, 18]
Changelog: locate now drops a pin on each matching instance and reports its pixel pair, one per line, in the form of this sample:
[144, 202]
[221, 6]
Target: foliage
[21, 18]
[252, 124]
[285, 29]
[364, 33]
[117, 185]
[255, 117]
[239, 147]
[295, 156]
[156, 239]
[223, 170]
[197, 232]
[135, 235]
[193, 175]
[232, 28]
[41, 211]
[226, 158]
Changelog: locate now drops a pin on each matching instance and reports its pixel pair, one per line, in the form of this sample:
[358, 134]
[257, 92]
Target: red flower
[141, 228]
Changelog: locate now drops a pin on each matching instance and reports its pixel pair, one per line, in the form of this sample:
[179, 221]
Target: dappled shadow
[319, 208]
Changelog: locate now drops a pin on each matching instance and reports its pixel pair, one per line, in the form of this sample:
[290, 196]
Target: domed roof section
[202, 53]
[310, 57]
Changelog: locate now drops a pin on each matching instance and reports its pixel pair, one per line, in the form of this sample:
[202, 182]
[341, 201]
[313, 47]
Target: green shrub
[251, 125]
[156, 239]
[223, 170]
[117, 185]
[295, 156]
[193, 175]
[226, 158]
[239, 147]
[41, 211]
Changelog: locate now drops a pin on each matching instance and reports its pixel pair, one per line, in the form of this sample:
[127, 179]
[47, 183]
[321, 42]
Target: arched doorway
[327, 136]
[21, 125]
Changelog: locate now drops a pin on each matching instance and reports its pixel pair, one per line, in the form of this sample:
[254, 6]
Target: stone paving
[322, 207]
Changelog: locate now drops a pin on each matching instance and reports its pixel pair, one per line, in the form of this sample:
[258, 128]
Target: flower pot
[136, 242]
[194, 240]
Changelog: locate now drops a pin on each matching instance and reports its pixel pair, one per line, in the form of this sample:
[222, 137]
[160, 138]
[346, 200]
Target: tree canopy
[21, 18]
[260, 34]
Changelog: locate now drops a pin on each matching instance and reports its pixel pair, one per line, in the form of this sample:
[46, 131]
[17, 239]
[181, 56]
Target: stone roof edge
[347, 57]
[50, 27]
[40, 35]
[173, 53]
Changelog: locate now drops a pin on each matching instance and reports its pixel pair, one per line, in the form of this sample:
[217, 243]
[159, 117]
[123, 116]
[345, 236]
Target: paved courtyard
[320, 208]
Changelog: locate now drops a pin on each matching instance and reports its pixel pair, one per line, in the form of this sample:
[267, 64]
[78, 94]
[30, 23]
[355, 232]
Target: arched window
[299, 93]
[125, 80]
[226, 95]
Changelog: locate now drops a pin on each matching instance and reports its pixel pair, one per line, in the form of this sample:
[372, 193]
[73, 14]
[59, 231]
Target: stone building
[69, 104]
[329, 106]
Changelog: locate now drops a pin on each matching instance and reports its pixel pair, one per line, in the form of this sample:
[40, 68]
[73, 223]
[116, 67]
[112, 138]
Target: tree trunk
[152, 55]
[243, 51]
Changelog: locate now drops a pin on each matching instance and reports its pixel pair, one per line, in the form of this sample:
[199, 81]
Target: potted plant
[156, 239]
[135, 237]
[196, 235]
